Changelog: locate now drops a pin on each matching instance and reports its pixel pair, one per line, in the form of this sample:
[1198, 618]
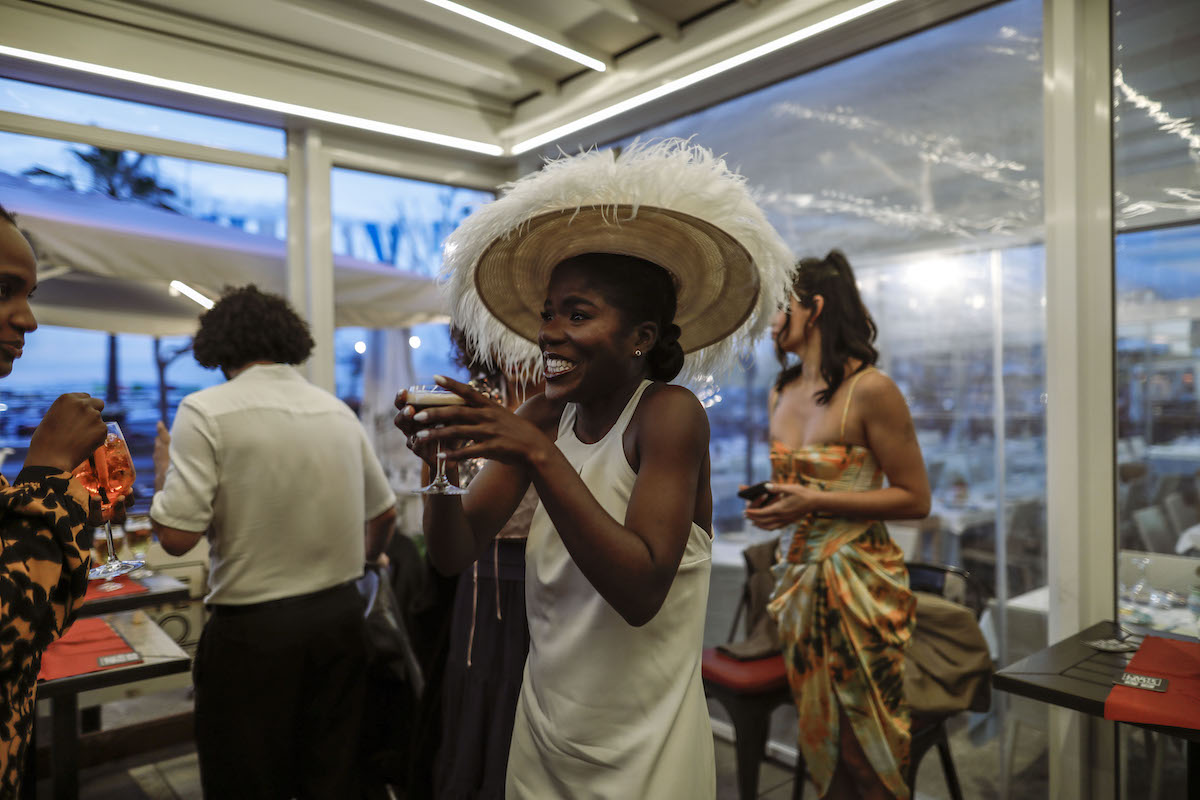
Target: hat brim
[716, 281]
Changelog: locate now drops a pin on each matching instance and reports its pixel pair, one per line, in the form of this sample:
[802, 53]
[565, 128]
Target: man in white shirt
[280, 476]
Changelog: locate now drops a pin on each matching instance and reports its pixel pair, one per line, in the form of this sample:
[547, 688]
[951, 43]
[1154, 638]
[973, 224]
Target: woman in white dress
[618, 558]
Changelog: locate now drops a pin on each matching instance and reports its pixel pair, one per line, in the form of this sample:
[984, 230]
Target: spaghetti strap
[849, 397]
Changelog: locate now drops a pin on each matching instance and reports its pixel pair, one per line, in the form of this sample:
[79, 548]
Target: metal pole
[999, 437]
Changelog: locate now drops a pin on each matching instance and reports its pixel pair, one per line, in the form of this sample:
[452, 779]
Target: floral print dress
[44, 525]
[845, 614]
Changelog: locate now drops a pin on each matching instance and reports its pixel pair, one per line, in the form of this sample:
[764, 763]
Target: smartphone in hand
[752, 493]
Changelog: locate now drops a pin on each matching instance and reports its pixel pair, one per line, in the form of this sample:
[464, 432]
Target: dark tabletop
[162, 589]
[160, 656]
[1073, 675]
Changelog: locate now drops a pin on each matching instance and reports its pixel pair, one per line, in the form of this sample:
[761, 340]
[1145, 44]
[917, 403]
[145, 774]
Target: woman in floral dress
[839, 427]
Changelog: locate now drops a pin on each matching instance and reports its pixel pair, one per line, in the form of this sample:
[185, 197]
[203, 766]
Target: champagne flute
[138, 534]
[108, 474]
[420, 397]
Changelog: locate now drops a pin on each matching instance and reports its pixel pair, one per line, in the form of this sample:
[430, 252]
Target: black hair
[643, 292]
[247, 325]
[7, 216]
[847, 329]
[479, 369]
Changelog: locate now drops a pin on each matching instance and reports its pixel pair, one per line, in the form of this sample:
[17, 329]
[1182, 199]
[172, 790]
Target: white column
[1079, 364]
[310, 251]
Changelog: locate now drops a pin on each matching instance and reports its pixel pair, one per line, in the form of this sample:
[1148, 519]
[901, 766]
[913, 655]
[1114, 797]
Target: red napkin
[128, 585]
[91, 645]
[1179, 705]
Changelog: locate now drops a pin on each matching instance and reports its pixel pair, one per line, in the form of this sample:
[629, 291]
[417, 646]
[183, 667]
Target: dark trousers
[279, 698]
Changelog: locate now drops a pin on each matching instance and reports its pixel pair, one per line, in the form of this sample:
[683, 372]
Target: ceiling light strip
[520, 33]
[191, 294]
[700, 75]
[306, 112]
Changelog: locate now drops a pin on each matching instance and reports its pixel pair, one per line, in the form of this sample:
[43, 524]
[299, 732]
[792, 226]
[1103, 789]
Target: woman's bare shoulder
[671, 411]
[671, 398]
[877, 388]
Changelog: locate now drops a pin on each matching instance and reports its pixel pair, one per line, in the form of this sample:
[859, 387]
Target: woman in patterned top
[44, 520]
[838, 428]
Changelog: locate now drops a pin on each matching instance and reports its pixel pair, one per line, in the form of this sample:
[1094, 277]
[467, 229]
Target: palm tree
[121, 175]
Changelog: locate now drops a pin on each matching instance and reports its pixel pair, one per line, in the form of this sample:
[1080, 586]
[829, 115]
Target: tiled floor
[173, 774]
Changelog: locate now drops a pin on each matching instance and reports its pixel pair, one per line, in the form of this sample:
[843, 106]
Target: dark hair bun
[666, 357]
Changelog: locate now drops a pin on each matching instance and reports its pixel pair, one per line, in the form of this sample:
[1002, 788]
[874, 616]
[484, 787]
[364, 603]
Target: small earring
[637, 353]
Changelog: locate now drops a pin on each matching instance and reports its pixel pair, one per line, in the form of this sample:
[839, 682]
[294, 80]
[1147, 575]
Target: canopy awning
[106, 264]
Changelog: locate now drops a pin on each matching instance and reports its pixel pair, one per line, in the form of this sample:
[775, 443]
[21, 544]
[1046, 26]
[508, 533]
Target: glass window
[403, 223]
[922, 161]
[59, 360]
[82, 108]
[1156, 158]
[251, 200]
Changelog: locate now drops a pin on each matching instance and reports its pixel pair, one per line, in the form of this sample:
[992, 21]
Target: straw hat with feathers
[670, 202]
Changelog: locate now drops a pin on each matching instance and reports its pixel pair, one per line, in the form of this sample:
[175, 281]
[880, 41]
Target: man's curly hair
[247, 325]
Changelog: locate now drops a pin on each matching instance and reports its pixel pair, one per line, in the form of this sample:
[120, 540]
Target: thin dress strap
[849, 396]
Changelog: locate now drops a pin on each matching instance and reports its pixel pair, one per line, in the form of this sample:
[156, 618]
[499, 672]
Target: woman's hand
[71, 430]
[116, 512]
[492, 431]
[406, 425]
[785, 504]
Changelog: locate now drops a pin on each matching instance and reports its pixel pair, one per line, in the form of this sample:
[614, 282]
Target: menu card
[89, 646]
[1160, 686]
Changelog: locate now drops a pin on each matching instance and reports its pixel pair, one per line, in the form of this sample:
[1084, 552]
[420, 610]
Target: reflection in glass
[82, 108]
[922, 161]
[1156, 161]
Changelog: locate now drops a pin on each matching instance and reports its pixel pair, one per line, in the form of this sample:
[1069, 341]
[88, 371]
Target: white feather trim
[671, 173]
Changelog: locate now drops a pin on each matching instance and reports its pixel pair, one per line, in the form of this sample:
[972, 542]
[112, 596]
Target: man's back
[281, 475]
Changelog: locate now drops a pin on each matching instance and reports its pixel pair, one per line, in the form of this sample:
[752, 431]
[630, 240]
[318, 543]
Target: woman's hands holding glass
[108, 475]
[784, 504]
[70, 431]
[416, 400]
[477, 428]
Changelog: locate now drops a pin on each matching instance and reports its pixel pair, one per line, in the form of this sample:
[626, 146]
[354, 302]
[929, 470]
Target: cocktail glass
[108, 474]
[421, 397]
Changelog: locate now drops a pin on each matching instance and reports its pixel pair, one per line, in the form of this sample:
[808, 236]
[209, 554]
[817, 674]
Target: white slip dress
[608, 710]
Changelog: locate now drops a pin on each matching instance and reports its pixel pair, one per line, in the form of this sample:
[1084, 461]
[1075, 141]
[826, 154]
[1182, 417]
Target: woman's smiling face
[587, 345]
[18, 277]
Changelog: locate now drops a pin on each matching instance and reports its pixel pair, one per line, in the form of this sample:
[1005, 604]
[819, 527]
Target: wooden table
[161, 588]
[1072, 675]
[160, 656]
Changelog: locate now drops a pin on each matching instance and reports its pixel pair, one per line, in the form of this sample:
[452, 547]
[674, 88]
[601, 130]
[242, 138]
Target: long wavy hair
[847, 329]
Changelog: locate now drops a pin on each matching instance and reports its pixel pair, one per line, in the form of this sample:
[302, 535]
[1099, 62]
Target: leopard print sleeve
[46, 535]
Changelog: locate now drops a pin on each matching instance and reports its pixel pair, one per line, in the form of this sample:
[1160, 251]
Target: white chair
[1181, 515]
[1152, 529]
